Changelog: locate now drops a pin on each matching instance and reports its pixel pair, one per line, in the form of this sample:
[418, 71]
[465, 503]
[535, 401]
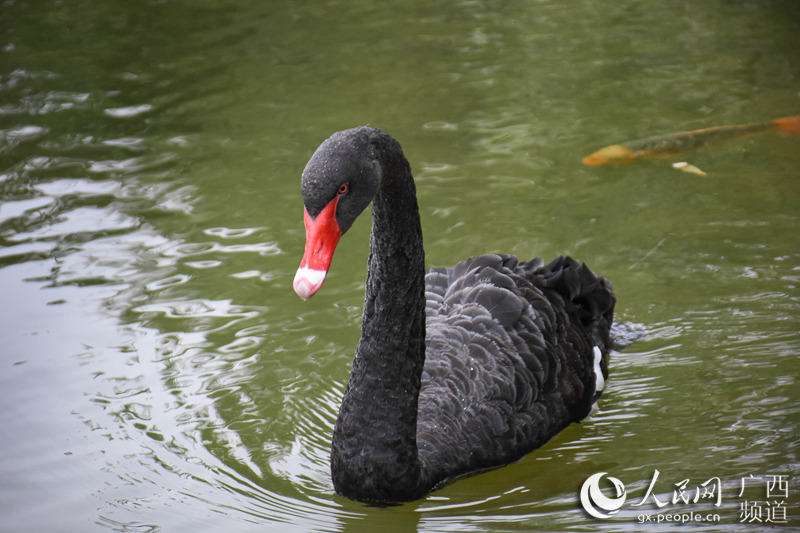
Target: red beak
[322, 236]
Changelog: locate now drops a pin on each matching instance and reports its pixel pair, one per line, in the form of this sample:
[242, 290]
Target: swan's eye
[343, 188]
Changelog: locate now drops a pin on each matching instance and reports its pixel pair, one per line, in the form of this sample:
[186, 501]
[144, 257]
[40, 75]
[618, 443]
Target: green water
[158, 373]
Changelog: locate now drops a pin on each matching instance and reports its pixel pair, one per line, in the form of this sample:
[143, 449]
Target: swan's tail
[589, 302]
[587, 297]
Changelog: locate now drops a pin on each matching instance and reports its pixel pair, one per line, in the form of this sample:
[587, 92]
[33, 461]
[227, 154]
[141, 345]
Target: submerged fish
[670, 145]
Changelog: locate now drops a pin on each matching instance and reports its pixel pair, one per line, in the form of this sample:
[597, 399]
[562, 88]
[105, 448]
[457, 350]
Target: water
[158, 372]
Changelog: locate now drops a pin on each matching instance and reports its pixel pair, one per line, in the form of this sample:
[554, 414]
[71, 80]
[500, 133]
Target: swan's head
[339, 182]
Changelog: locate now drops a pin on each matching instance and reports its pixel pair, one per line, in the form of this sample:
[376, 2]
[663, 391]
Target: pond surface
[158, 371]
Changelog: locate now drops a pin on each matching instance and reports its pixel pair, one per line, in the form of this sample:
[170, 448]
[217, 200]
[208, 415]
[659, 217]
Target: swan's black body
[458, 369]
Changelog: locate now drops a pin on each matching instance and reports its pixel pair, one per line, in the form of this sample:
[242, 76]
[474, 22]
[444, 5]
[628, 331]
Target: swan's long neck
[374, 454]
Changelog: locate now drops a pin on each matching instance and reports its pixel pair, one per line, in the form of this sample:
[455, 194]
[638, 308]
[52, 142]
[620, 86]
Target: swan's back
[510, 358]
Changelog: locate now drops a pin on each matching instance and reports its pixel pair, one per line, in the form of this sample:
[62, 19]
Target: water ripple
[11, 138]
[196, 308]
[47, 103]
[230, 233]
[128, 112]
[180, 250]
[130, 165]
[82, 220]
[23, 208]
[171, 281]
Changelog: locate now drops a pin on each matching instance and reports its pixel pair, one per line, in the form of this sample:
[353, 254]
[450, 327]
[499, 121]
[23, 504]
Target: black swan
[458, 369]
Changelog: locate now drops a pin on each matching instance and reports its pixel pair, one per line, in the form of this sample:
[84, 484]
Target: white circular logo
[598, 504]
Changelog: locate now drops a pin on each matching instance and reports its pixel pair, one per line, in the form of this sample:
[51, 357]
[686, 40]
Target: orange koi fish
[670, 145]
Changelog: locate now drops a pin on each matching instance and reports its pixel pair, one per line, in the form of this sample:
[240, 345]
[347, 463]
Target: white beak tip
[307, 281]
